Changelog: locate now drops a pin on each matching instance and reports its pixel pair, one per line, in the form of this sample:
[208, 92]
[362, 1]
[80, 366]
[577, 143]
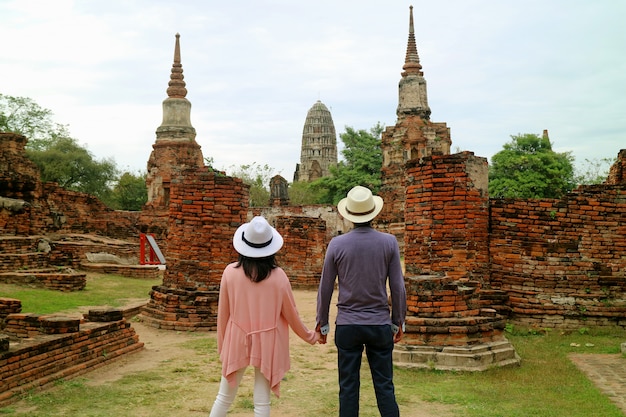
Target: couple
[256, 309]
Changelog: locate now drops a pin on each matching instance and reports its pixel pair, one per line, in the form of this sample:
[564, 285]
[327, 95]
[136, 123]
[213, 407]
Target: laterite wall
[44, 349]
[562, 262]
[206, 207]
[447, 216]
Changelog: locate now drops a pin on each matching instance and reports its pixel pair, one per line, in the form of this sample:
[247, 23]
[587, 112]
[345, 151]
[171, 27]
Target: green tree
[361, 165]
[527, 167]
[73, 167]
[130, 192]
[258, 178]
[303, 193]
[594, 171]
[22, 115]
[59, 157]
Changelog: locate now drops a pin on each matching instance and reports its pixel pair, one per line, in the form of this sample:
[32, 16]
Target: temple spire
[412, 61]
[176, 86]
[413, 100]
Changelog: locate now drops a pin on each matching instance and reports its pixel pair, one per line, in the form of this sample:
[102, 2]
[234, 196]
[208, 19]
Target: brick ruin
[56, 347]
[472, 262]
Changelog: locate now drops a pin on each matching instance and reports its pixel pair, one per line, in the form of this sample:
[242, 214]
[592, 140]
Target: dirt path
[165, 345]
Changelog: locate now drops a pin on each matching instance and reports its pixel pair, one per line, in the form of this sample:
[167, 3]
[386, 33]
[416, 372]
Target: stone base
[181, 309]
[478, 357]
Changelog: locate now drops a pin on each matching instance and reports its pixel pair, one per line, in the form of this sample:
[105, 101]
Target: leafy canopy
[23, 116]
[258, 178]
[361, 165]
[527, 167]
[73, 167]
[130, 192]
[61, 159]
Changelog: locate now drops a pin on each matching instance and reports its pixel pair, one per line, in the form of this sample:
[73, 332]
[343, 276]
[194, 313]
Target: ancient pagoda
[175, 148]
[319, 145]
[413, 136]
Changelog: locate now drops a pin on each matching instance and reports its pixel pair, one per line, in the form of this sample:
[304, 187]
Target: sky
[253, 69]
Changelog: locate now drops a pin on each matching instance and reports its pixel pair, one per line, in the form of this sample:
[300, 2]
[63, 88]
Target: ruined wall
[45, 349]
[30, 207]
[19, 185]
[412, 137]
[562, 262]
[206, 207]
[557, 263]
[205, 210]
[447, 216]
[19, 176]
[335, 224]
[63, 211]
[617, 172]
[302, 256]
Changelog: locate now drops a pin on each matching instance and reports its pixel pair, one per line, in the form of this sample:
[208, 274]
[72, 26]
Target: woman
[256, 308]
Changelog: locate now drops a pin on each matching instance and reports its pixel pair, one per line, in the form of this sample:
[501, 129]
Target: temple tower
[175, 148]
[319, 145]
[438, 207]
[413, 136]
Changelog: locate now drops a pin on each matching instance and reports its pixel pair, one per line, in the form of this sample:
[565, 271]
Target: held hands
[321, 338]
[398, 335]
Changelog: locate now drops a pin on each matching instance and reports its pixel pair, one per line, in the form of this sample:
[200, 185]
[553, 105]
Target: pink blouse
[253, 322]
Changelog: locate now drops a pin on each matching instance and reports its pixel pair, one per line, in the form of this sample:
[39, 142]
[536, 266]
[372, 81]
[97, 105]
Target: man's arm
[398, 293]
[325, 293]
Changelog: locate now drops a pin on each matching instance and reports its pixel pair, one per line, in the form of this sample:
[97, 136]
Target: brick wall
[206, 207]
[412, 137]
[617, 172]
[302, 256]
[447, 216]
[57, 348]
[52, 280]
[562, 262]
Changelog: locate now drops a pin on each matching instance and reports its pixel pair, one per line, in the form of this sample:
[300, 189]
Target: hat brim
[378, 206]
[243, 249]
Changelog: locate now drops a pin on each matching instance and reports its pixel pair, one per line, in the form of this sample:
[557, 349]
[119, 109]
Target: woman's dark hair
[257, 269]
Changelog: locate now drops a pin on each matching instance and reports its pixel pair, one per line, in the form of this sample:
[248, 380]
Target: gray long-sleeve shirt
[362, 261]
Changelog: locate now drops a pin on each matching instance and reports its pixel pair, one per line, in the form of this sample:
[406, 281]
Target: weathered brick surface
[19, 176]
[167, 159]
[562, 261]
[66, 351]
[132, 271]
[617, 172]
[30, 207]
[547, 263]
[52, 280]
[447, 216]
[303, 256]
[184, 309]
[8, 306]
[412, 137]
[206, 207]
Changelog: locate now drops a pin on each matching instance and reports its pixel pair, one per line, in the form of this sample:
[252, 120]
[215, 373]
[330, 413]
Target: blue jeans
[378, 343]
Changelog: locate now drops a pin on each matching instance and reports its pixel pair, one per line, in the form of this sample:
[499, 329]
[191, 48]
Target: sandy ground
[164, 345]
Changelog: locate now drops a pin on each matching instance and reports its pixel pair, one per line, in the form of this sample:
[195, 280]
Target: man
[363, 261]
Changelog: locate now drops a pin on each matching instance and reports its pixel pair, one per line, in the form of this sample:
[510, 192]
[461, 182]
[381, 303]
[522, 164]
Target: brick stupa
[203, 208]
[439, 205]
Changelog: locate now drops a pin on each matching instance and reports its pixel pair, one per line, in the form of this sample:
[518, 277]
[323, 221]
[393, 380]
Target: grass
[101, 290]
[547, 384]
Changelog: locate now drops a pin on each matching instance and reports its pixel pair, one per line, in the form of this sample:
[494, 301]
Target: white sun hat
[257, 239]
[360, 206]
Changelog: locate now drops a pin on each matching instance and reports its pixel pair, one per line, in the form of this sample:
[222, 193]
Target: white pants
[226, 395]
